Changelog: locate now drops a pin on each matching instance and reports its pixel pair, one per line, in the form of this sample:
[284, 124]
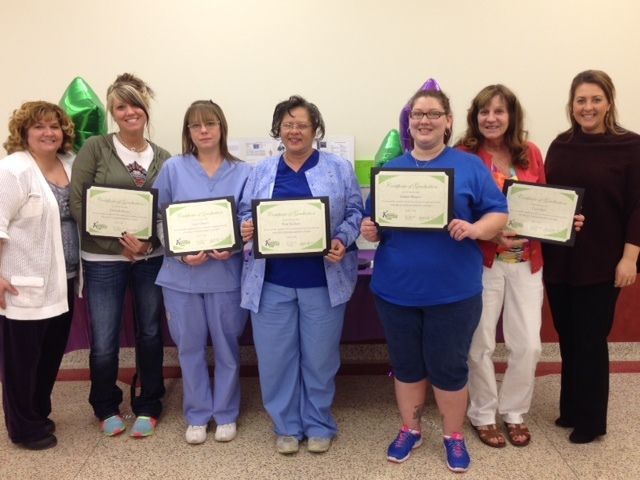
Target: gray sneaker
[318, 444]
[286, 444]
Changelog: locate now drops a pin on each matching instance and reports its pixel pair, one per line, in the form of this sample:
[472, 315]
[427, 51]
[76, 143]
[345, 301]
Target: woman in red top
[512, 275]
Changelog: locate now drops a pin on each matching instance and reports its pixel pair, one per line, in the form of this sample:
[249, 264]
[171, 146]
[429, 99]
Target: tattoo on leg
[419, 410]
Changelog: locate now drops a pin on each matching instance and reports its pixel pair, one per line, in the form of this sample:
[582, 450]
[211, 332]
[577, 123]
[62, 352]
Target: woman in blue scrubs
[202, 292]
[297, 304]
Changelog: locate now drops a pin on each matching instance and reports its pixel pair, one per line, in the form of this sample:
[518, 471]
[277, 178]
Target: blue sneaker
[143, 427]
[112, 426]
[456, 451]
[400, 448]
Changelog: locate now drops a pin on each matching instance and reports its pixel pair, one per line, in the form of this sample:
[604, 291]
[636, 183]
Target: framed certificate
[110, 211]
[201, 225]
[543, 212]
[411, 199]
[297, 227]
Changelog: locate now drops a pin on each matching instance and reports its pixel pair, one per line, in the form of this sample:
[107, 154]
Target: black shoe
[561, 422]
[47, 442]
[577, 437]
[49, 426]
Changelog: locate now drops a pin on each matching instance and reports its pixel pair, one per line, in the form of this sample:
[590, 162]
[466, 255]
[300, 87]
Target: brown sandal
[515, 430]
[490, 435]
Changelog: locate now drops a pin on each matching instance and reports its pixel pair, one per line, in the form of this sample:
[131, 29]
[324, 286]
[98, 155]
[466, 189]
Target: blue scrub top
[182, 178]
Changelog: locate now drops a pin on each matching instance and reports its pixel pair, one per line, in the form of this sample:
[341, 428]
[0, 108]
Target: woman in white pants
[512, 276]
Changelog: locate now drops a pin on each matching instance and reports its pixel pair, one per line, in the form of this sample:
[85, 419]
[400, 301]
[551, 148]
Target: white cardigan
[32, 257]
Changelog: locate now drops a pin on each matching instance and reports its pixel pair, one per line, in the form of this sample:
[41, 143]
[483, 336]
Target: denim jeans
[106, 285]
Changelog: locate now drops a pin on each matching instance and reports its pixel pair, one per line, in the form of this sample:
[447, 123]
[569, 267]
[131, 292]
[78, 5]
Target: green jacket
[98, 163]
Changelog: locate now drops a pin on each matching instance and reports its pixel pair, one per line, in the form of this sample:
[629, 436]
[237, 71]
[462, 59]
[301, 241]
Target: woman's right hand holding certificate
[369, 230]
[246, 230]
[506, 239]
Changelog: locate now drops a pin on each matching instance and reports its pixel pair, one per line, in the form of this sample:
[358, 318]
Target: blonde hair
[131, 90]
[29, 114]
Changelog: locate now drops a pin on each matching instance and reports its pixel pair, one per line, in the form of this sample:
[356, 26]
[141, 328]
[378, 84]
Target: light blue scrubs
[204, 301]
[297, 331]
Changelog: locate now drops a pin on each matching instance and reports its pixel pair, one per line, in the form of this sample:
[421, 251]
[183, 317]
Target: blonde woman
[124, 158]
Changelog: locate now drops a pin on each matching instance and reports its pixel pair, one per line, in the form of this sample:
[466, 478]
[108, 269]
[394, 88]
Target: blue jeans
[431, 342]
[106, 285]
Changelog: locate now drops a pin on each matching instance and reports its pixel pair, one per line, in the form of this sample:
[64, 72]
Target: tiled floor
[367, 417]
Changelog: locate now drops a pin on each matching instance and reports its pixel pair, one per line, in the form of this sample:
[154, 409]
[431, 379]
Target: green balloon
[85, 110]
[389, 148]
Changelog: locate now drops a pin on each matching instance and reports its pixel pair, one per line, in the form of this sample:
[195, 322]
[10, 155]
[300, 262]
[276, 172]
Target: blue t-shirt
[298, 272]
[414, 268]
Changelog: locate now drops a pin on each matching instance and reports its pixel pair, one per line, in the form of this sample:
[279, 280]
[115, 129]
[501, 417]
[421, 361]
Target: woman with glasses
[427, 285]
[202, 291]
[583, 282]
[122, 159]
[298, 304]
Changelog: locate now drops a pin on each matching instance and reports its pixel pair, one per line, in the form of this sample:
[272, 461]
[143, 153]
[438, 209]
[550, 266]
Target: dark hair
[601, 79]
[27, 116]
[205, 110]
[296, 101]
[444, 101]
[515, 137]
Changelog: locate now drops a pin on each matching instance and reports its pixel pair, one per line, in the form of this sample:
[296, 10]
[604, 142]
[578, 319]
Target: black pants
[31, 354]
[583, 317]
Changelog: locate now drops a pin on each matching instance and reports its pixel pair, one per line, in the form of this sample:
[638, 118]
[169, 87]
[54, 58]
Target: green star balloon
[389, 148]
[85, 109]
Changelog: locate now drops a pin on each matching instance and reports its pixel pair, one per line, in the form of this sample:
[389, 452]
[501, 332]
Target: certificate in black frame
[256, 220]
[168, 240]
[154, 209]
[449, 172]
[577, 190]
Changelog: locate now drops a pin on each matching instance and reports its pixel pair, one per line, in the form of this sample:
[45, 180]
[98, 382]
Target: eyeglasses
[295, 126]
[210, 125]
[431, 114]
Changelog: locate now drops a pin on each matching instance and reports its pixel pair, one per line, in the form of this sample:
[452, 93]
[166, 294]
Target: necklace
[424, 163]
[132, 147]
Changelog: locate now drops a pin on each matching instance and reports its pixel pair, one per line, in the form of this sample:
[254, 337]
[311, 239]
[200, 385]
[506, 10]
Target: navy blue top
[299, 272]
[425, 268]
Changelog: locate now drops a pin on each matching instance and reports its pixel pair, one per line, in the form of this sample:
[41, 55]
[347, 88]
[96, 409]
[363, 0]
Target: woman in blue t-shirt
[427, 285]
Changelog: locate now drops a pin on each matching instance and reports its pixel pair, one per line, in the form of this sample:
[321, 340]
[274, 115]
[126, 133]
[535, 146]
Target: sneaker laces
[404, 436]
[457, 445]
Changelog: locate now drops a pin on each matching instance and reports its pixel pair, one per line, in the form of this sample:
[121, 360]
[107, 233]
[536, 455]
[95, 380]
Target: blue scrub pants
[192, 319]
[297, 337]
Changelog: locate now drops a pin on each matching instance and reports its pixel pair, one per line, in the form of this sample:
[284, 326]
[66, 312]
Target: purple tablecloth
[361, 323]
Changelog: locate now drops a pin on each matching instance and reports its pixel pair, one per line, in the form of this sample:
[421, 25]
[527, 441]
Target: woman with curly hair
[36, 289]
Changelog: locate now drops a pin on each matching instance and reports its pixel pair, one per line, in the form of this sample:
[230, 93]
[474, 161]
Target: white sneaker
[226, 432]
[318, 444]
[287, 444]
[196, 434]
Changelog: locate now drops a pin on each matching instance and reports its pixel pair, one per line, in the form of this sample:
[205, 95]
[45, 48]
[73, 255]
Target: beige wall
[357, 60]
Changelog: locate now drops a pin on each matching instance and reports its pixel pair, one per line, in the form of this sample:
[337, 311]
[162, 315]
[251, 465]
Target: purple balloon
[407, 141]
